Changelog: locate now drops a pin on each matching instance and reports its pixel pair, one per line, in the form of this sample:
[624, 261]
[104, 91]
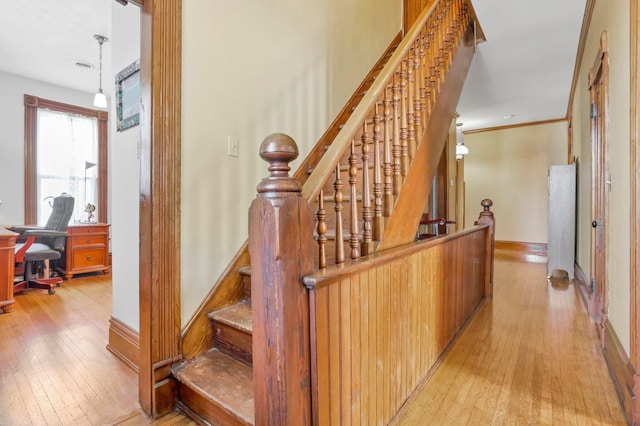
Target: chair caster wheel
[52, 291]
[58, 284]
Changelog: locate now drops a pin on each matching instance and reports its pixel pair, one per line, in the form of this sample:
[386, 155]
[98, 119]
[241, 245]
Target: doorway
[600, 186]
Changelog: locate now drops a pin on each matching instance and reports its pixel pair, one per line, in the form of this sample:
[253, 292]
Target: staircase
[373, 163]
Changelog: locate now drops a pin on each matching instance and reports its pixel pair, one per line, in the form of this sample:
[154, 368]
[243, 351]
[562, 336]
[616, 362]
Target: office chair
[36, 246]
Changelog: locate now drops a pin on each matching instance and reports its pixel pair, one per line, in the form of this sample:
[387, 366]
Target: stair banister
[331, 158]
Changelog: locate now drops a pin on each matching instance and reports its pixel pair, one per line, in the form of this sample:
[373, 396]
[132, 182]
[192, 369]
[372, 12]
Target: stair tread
[223, 380]
[245, 270]
[237, 316]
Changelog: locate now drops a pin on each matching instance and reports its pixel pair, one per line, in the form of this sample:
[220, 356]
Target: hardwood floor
[530, 357]
[54, 365]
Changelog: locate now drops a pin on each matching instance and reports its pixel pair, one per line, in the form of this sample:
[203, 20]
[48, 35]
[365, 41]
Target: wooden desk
[7, 255]
[86, 250]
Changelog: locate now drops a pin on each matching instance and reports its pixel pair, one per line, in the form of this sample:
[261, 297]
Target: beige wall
[510, 167]
[614, 17]
[251, 69]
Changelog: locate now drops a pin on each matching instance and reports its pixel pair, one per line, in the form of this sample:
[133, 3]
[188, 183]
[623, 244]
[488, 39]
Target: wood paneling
[382, 323]
[124, 342]
[160, 67]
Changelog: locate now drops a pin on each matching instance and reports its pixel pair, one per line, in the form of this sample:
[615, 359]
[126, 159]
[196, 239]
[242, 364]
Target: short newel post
[486, 218]
[281, 249]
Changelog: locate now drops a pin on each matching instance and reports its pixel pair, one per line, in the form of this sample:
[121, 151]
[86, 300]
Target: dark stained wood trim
[584, 31]
[522, 247]
[31, 106]
[635, 205]
[620, 368]
[514, 126]
[160, 65]
[582, 284]
[124, 343]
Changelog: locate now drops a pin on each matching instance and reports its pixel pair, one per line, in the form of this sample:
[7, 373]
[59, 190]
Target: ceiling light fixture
[100, 100]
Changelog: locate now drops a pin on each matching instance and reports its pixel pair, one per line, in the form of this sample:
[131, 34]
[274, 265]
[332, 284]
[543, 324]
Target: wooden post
[281, 249]
[486, 218]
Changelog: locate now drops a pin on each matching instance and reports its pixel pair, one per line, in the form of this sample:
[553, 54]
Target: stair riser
[233, 342]
[205, 411]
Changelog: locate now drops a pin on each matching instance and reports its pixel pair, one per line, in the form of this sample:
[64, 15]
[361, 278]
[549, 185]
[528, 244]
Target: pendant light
[100, 100]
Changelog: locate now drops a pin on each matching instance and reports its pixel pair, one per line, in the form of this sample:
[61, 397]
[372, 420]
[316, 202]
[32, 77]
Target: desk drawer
[88, 258]
[86, 240]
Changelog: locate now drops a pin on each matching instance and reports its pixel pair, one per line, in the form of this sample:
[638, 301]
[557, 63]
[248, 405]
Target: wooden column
[160, 67]
[486, 218]
[281, 249]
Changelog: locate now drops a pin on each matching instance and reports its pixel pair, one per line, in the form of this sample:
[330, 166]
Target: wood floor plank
[529, 356]
[55, 366]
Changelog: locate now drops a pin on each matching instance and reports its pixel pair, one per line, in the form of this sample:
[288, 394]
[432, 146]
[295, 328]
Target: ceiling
[524, 69]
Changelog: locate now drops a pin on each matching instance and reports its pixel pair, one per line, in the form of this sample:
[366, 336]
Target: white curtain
[67, 155]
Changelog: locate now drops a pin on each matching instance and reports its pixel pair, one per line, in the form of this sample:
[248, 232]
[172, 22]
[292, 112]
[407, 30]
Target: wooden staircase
[216, 386]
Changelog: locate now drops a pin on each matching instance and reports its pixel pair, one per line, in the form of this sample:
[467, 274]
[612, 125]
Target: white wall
[614, 17]
[510, 167]
[251, 69]
[12, 91]
[124, 174]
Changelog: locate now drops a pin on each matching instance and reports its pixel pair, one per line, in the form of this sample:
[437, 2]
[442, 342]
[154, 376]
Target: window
[65, 151]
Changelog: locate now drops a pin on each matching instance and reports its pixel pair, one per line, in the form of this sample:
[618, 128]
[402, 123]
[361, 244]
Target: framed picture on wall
[128, 96]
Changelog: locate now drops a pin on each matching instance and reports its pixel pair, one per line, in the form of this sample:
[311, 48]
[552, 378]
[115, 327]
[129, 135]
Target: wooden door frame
[599, 75]
[160, 140]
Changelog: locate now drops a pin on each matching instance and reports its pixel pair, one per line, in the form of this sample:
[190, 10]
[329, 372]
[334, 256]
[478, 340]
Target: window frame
[31, 106]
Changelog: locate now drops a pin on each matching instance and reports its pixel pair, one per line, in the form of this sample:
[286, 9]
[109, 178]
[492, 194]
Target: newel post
[281, 249]
[486, 218]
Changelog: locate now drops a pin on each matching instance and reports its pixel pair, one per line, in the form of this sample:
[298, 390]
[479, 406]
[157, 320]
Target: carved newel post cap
[279, 150]
[486, 203]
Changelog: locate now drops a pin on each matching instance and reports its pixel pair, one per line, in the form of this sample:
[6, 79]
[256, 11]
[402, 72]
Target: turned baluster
[424, 88]
[397, 144]
[337, 207]
[321, 216]
[367, 246]
[354, 241]
[377, 180]
[388, 165]
[405, 104]
[411, 116]
[417, 102]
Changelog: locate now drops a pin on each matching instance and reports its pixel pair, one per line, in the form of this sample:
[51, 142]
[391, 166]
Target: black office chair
[37, 246]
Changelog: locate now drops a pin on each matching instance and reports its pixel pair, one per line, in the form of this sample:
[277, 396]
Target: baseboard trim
[582, 284]
[124, 343]
[620, 370]
[522, 251]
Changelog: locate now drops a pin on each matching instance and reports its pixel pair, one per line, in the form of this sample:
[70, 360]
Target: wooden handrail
[323, 277]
